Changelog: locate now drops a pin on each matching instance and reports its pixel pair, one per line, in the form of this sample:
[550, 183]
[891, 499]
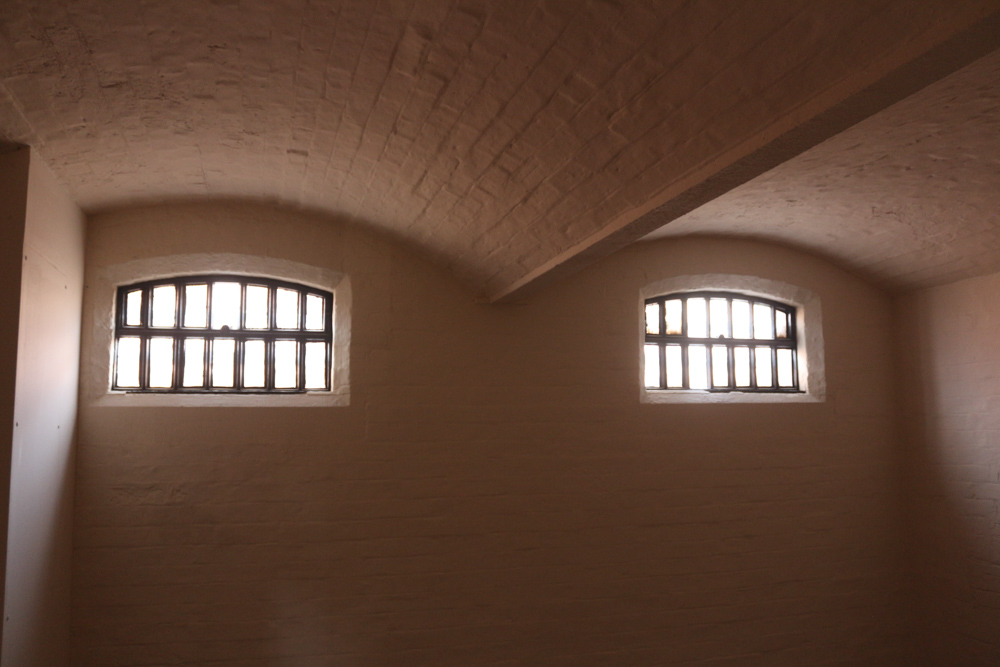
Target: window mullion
[272, 300]
[662, 353]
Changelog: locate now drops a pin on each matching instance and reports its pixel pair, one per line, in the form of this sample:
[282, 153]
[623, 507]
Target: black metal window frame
[144, 331]
[663, 339]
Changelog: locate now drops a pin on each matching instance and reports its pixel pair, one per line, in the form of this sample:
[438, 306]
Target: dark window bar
[270, 335]
[780, 338]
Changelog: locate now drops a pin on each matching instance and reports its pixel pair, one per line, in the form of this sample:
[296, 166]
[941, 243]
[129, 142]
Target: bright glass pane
[675, 367]
[286, 362]
[698, 366]
[161, 361]
[127, 366]
[780, 324]
[763, 365]
[741, 318]
[762, 322]
[720, 366]
[741, 366]
[256, 315]
[194, 362]
[315, 314]
[223, 360]
[673, 316]
[652, 318]
[286, 308]
[133, 308]
[315, 365]
[196, 306]
[697, 318]
[651, 371]
[225, 307]
[253, 363]
[718, 310]
[785, 368]
[164, 306]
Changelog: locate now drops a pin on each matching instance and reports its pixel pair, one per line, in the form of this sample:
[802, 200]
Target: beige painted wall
[495, 492]
[37, 602]
[13, 201]
[950, 365]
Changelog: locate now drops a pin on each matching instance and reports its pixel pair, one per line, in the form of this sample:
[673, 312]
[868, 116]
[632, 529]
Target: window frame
[809, 329]
[663, 339]
[145, 331]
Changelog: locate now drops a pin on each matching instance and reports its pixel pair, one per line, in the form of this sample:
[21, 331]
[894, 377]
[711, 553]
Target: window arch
[720, 341]
[804, 319]
[222, 333]
[97, 385]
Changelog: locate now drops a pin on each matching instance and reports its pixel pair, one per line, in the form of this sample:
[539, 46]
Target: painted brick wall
[494, 494]
[950, 374]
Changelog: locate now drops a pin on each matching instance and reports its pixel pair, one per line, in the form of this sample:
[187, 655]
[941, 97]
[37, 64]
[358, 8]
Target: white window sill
[306, 400]
[694, 396]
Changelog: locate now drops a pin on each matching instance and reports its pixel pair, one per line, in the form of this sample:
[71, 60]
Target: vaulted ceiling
[512, 140]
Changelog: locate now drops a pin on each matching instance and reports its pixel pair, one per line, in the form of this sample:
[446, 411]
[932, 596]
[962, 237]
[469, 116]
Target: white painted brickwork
[951, 373]
[494, 494]
[495, 135]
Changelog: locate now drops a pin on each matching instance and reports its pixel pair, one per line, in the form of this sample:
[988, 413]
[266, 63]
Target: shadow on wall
[953, 620]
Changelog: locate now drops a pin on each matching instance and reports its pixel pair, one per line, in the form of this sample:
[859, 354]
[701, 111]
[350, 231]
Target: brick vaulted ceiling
[511, 140]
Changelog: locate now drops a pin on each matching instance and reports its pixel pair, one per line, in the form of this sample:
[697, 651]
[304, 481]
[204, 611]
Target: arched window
[720, 342]
[222, 334]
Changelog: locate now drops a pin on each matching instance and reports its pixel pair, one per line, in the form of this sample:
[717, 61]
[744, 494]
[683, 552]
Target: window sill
[658, 396]
[140, 400]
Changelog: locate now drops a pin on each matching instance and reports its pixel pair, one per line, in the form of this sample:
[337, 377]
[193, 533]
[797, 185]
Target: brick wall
[494, 494]
[949, 369]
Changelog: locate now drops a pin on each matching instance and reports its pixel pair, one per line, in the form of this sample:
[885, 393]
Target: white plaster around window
[97, 368]
[809, 323]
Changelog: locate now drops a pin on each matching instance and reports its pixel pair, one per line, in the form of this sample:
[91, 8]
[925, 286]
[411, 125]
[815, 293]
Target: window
[720, 342]
[222, 334]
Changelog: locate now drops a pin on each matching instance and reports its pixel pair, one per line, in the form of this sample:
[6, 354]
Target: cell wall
[38, 549]
[949, 368]
[494, 492]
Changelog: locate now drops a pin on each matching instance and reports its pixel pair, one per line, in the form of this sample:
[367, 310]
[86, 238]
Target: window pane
[719, 316]
[675, 367]
[651, 371]
[286, 363]
[762, 321]
[741, 318]
[196, 306]
[673, 316]
[698, 366]
[763, 365]
[315, 313]
[741, 366]
[720, 366]
[223, 359]
[194, 362]
[127, 366]
[697, 318]
[164, 306]
[652, 318]
[785, 368]
[286, 309]
[253, 362]
[161, 362]
[256, 315]
[133, 308]
[225, 308]
[780, 324]
[315, 365]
